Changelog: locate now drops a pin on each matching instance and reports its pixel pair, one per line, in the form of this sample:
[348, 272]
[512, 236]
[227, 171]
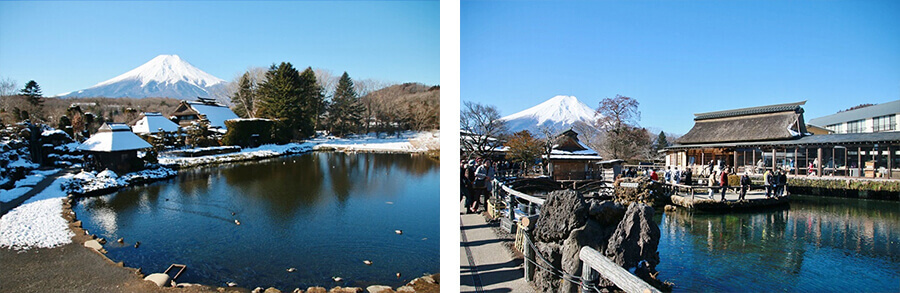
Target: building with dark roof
[570, 159]
[203, 109]
[776, 136]
[875, 118]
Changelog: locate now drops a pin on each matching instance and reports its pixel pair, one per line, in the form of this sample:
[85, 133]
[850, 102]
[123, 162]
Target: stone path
[485, 264]
[40, 186]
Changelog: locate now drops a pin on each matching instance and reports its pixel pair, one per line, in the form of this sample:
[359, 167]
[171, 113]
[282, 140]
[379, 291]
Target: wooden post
[796, 170]
[512, 207]
[819, 165]
[859, 161]
[588, 276]
[890, 162]
[754, 160]
[529, 258]
[734, 161]
[806, 160]
[773, 159]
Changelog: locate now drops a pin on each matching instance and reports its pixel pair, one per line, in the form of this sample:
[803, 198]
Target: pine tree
[33, 95]
[290, 96]
[346, 109]
[661, 141]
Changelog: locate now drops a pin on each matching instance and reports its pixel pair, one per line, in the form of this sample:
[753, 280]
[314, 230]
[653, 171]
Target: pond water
[815, 245]
[322, 213]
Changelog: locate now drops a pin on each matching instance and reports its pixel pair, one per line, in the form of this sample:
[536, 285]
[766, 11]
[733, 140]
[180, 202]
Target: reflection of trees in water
[870, 228]
[286, 185]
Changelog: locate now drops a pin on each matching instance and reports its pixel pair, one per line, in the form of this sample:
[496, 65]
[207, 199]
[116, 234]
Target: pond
[816, 245]
[322, 213]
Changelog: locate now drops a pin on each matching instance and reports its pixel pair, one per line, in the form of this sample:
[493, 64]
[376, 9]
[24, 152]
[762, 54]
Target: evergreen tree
[312, 101]
[346, 109]
[290, 96]
[661, 141]
[33, 95]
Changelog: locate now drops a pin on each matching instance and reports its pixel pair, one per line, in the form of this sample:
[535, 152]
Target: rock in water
[121, 240]
[398, 232]
[636, 238]
[367, 262]
[564, 211]
[291, 270]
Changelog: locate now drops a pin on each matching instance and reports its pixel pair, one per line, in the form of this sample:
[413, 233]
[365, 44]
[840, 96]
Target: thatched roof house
[570, 159]
[114, 147]
[776, 136]
[773, 122]
[189, 112]
[152, 122]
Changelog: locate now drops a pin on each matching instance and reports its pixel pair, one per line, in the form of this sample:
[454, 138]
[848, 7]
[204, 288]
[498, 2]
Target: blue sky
[681, 57]
[67, 46]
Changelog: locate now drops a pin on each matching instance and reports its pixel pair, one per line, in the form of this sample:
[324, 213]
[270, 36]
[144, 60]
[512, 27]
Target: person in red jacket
[653, 175]
[723, 182]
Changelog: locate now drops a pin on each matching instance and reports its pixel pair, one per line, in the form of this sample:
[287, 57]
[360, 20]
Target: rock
[338, 289]
[636, 238]
[93, 244]
[648, 192]
[379, 289]
[102, 240]
[606, 212]
[257, 290]
[220, 289]
[159, 279]
[545, 281]
[77, 223]
[272, 290]
[297, 290]
[564, 211]
[406, 289]
[316, 290]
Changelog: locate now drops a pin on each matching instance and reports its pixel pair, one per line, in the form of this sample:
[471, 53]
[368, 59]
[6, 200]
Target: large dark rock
[606, 212]
[594, 235]
[545, 281]
[636, 238]
[564, 211]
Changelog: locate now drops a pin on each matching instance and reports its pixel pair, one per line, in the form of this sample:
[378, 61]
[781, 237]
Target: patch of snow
[408, 142]
[264, 151]
[216, 114]
[114, 138]
[8, 195]
[53, 131]
[85, 182]
[37, 223]
[152, 122]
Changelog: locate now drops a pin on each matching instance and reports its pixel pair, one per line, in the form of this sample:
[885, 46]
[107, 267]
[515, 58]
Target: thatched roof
[773, 122]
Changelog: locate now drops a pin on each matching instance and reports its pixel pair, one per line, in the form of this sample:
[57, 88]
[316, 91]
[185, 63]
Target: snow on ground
[8, 195]
[264, 151]
[38, 222]
[408, 142]
[85, 182]
[25, 184]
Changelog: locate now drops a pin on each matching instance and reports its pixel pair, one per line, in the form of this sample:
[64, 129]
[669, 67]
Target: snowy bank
[38, 222]
[89, 182]
[264, 151]
[408, 142]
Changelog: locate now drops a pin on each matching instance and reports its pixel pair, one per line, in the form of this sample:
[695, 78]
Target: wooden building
[572, 160]
[209, 110]
[114, 147]
[775, 136]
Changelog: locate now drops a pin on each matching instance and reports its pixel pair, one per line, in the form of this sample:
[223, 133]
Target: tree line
[615, 135]
[316, 100]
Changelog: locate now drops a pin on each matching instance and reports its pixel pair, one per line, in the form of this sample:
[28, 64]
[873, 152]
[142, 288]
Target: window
[835, 127]
[856, 126]
[884, 123]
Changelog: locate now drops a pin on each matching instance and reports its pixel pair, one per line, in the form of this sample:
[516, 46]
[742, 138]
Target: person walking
[745, 185]
[711, 182]
[668, 174]
[687, 174]
[767, 181]
[478, 185]
[677, 177]
[653, 175]
[723, 182]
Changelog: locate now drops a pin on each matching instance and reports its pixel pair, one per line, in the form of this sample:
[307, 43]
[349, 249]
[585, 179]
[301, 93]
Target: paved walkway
[40, 186]
[485, 264]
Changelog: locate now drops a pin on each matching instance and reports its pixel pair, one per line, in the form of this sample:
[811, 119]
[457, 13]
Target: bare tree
[8, 87]
[483, 128]
[623, 139]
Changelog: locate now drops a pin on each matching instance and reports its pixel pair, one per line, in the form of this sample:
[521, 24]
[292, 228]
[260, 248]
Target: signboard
[629, 184]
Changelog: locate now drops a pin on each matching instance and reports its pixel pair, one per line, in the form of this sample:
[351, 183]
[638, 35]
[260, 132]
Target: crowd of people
[717, 179]
[475, 180]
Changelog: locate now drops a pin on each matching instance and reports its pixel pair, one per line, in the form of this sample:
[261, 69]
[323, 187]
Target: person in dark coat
[687, 176]
[745, 185]
[723, 182]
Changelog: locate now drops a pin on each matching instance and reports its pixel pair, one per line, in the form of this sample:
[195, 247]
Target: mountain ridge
[557, 113]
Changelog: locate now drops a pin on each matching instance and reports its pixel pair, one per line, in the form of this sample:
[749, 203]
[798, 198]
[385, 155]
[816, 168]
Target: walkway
[485, 264]
[40, 186]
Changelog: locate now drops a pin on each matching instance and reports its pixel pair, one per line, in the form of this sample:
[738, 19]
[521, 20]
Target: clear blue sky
[681, 57]
[67, 46]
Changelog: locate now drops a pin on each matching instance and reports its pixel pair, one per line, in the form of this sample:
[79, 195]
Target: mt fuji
[163, 76]
[558, 113]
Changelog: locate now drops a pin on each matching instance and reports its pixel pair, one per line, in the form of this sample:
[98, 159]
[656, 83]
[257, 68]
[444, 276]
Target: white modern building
[876, 118]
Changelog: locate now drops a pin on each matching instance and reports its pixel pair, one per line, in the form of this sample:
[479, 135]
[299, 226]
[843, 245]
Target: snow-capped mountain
[559, 113]
[163, 76]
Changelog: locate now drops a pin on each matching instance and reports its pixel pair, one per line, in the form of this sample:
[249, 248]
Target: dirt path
[37, 188]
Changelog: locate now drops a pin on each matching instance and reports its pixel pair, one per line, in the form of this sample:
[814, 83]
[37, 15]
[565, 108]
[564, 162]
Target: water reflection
[323, 212]
[808, 247]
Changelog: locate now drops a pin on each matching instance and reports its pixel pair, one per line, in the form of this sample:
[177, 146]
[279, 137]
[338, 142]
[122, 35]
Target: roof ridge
[750, 110]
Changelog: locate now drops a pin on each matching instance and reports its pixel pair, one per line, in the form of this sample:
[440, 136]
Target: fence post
[588, 276]
[529, 257]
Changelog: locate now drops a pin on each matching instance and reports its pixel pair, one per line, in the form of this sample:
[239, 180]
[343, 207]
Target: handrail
[594, 263]
[519, 194]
